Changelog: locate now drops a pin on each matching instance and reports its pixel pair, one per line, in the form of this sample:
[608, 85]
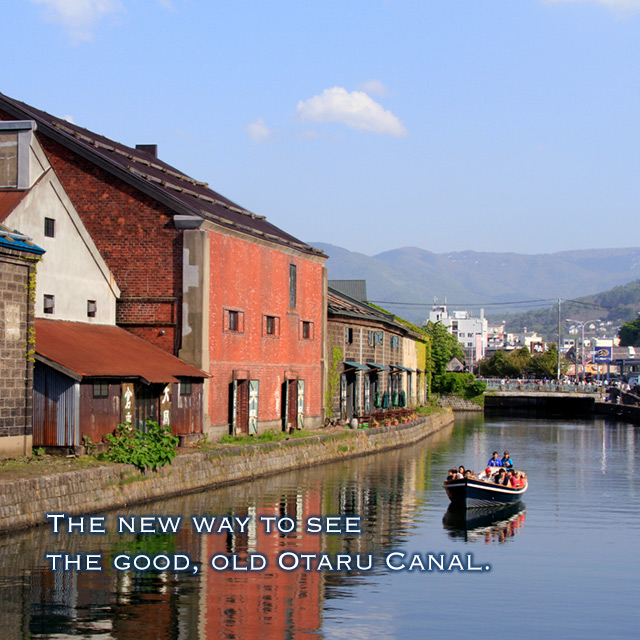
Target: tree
[545, 365]
[444, 347]
[629, 334]
[506, 365]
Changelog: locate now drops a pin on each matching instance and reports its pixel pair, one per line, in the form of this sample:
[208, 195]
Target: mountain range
[407, 280]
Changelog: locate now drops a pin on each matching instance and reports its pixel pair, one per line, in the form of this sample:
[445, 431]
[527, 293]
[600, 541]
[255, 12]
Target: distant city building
[470, 331]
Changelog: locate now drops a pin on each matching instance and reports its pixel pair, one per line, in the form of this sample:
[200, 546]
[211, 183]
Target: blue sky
[491, 125]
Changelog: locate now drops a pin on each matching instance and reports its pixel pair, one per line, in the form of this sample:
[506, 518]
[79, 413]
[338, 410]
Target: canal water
[562, 564]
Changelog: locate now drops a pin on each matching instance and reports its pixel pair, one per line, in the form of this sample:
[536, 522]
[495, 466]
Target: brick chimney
[151, 149]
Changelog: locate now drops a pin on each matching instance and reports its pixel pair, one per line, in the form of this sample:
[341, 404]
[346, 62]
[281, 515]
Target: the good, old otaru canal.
[564, 565]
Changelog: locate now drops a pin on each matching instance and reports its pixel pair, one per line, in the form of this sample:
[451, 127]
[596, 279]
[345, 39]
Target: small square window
[348, 335]
[185, 387]
[49, 228]
[49, 303]
[233, 321]
[307, 330]
[100, 389]
[270, 325]
[92, 307]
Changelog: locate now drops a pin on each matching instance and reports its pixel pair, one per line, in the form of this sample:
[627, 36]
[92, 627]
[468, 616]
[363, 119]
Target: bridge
[537, 386]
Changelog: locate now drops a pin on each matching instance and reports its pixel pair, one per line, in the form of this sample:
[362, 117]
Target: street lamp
[581, 323]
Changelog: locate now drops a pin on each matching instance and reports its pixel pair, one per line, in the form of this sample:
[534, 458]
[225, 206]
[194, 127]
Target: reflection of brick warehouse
[117, 605]
[272, 603]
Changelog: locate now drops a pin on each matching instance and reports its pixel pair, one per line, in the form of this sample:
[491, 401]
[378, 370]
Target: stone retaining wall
[618, 411]
[458, 404]
[23, 503]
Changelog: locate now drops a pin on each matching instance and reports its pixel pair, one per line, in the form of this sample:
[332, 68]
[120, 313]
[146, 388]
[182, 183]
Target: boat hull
[471, 494]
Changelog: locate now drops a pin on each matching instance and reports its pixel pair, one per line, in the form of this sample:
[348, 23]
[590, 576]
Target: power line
[466, 304]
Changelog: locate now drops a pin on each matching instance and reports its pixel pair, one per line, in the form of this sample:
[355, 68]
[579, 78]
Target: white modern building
[471, 331]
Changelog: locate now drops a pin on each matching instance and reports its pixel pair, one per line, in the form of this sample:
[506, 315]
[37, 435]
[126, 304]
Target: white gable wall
[72, 269]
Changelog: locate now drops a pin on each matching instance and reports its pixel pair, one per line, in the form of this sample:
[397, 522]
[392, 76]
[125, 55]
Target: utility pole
[559, 330]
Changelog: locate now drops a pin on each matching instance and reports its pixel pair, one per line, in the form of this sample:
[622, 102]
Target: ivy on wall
[333, 380]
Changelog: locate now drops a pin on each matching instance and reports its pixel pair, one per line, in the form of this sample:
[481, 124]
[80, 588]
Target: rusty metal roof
[9, 199]
[156, 178]
[104, 351]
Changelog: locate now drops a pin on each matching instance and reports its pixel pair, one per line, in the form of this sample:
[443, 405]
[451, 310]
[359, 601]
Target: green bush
[461, 384]
[149, 450]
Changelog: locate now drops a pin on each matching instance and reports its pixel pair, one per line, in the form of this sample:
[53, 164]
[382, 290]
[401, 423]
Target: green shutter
[254, 388]
[300, 420]
[234, 408]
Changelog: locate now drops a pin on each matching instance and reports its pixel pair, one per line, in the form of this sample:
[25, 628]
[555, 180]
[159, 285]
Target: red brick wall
[137, 240]
[256, 281]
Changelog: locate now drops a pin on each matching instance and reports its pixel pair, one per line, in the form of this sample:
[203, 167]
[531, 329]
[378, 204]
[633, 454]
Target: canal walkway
[24, 501]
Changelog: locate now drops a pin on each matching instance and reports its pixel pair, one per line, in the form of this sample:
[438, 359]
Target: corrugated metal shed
[356, 289]
[103, 351]
[15, 239]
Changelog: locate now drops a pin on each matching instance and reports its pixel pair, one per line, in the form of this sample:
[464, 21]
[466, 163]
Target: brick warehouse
[199, 276]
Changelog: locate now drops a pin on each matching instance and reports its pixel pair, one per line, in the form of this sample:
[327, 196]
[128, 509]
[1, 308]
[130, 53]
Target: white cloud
[79, 16]
[258, 131]
[355, 110]
[69, 119]
[374, 87]
[616, 5]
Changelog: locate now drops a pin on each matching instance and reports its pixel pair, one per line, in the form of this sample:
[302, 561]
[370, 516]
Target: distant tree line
[519, 363]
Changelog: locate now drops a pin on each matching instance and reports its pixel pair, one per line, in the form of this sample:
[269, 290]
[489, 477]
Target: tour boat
[471, 493]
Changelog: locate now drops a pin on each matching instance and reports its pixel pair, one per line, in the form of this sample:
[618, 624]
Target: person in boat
[495, 460]
[522, 479]
[468, 474]
[453, 474]
[461, 472]
[507, 462]
[513, 480]
[499, 477]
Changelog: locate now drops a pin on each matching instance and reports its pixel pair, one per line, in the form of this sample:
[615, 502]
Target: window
[307, 330]
[348, 335]
[15, 141]
[8, 159]
[233, 321]
[371, 338]
[185, 387]
[292, 286]
[49, 303]
[49, 228]
[378, 337]
[395, 342]
[92, 307]
[271, 326]
[100, 389]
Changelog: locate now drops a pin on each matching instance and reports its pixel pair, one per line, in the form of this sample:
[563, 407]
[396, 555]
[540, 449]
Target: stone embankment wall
[621, 412]
[533, 402]
[25, 502]
[458, 404]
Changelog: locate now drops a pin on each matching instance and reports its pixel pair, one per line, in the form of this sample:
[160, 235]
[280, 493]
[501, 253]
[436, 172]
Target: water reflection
[563, 554]
[385, 491]
[493, 525]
